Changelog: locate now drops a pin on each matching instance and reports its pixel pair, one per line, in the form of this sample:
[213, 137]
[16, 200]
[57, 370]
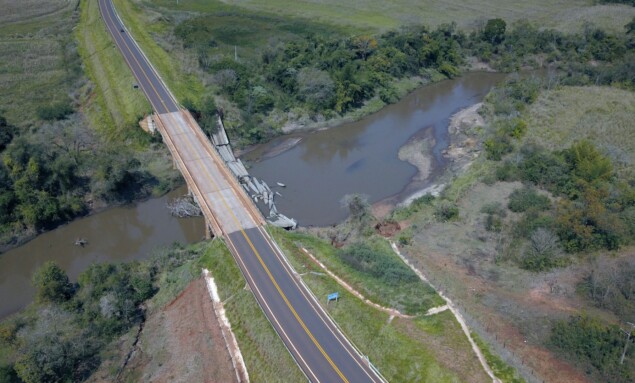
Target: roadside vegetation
[535, 239]
[403, 349]
[544, 215]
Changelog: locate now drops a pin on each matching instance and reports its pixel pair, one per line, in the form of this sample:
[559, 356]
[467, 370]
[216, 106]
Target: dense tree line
[61, 336]
[323, 74]
[49, 173]
[331, 74]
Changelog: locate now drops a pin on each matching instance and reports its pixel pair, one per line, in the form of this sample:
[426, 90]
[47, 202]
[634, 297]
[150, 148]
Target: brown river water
[359, 157]
[117, 234]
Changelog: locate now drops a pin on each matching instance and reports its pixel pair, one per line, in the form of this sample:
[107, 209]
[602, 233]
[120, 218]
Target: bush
[55, 111]
[496, 147]
[388, 95]
[446, 211]
[375, 262]
[495, 212]
[51, 284]
[524, 199]
[8, 375]
[612, 286]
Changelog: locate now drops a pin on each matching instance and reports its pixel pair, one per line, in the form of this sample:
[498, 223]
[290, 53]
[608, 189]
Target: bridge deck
[214, 184]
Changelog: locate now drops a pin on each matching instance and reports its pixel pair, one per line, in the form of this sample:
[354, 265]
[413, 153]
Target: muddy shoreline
[459, 155]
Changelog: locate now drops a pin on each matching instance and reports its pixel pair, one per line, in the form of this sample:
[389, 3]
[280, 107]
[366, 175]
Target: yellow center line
[251, 245]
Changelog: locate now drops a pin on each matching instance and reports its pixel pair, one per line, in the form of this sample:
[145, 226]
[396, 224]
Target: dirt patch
[387, 228]
[182, 343]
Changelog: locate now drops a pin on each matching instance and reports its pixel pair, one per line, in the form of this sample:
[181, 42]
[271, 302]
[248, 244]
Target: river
[117, 234]
[361, 157]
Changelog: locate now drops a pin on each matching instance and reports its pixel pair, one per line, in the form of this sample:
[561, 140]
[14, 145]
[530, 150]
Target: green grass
[114, 106]
[502, 370]
[566, 15]
[32, 69]
[410, 298]
[404, 350]
[181, 84]
[265, 356]
[602, 115]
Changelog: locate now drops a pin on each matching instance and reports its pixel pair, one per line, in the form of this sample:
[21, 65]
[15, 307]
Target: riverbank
[117, 234]
[349, 158]
[461, 152]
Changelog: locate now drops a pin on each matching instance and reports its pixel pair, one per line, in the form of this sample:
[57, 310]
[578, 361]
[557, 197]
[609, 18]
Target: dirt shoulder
[182, 342]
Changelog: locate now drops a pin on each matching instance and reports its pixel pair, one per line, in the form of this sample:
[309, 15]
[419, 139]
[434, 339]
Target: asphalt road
[320, 349]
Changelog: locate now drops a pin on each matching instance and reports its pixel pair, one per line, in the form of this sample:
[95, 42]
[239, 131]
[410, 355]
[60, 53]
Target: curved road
[320, 349]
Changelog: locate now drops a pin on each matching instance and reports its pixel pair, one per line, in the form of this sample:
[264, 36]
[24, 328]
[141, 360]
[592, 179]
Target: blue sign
[333, 297]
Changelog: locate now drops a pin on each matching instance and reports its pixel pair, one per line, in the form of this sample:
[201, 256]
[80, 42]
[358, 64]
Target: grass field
[33, 36]
[422, 349]
[602, 115]
[566, 15]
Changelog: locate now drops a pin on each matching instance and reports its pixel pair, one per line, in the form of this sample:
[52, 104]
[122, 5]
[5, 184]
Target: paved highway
[320, 349]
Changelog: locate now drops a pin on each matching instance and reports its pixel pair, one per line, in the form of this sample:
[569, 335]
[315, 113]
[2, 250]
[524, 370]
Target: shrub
[446, 211]
[377, 263]
[388, 95]
[524, 199]
[55, 111]
[495, 212]
[496, 147]
[51, 284]
[507, 171]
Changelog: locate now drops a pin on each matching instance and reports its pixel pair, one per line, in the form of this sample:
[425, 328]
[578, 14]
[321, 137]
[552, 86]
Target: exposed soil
[387, 228]
[180, 343]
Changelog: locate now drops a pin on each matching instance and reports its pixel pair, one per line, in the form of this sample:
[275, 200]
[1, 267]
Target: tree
[588, 163]
[316, 87]
[364, 45]
[357, 205]
[495, 31]
[55, 349]
[52, 284]
[6, 133]
[630, 27]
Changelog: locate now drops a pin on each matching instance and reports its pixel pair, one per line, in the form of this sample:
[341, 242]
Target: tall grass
[182, 84]
[33, 71]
